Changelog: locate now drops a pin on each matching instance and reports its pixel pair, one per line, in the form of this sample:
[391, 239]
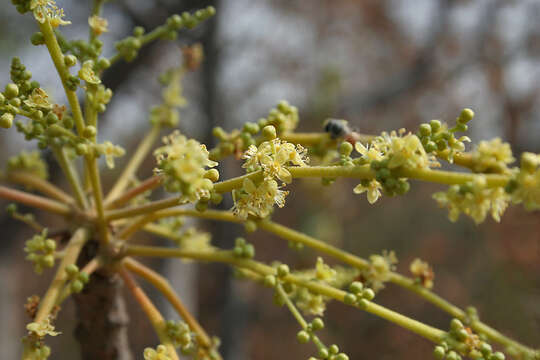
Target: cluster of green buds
[77, 278]
[129, 47]
[324, 352]
[40, 251]
[437, 138]
[358, 295]
[183, 164]
[282, 118]
[166, 114]
[28, 162]
[243, 249]
[390, 183]
[460, 340]
[160, 353]
[80, 50]
[181, 335]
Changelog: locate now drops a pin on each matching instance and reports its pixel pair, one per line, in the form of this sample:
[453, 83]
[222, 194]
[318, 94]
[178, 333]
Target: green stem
[142, 209]
[131, 168]
[71, 254]
[426, 331]
[71, 175]
[34, 182]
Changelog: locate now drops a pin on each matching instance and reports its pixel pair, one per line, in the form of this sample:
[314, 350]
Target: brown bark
[102, 319]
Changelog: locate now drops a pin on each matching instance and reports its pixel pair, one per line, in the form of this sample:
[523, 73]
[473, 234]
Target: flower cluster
[525, 187]
[110, 151]
[193, 240]
[422, 272]
[379, 271]
[257, 200]
[474, 199]
[283, 117]
[46, 10]
[492, 156]
[40, 251]
[77, 278]
[437, 138]
[42, 328]
[160, 353]
[460, 340]
[98, 24]
[30, 162]
[182, 162]
[243, 249]
[166, 114]
[273, 157]
[180, 334]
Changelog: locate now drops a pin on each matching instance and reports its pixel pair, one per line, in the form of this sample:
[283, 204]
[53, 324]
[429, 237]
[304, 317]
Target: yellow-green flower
[258, 200]
[98, 24]
[38, 99]
[372, 188]
[273, 157]
[492, 155]
[87, 73]
[110, 151]
[161, 353]
[42, 328]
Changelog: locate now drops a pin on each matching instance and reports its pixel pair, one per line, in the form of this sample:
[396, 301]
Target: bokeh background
[382, 65]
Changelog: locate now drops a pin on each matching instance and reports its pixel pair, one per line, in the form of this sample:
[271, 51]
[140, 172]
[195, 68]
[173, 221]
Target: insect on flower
[338, 128]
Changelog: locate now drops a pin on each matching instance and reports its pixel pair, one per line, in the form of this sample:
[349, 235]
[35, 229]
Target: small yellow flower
[323, 271]
[161, 353]
[373, 190]
[38, 99]
[42, 328]
[98, 24]
[258, 200]
[87, 73]
[110, 151]
[422, 272]
[492, 155]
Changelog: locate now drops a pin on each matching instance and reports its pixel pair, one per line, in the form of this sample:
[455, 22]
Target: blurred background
[382, 65]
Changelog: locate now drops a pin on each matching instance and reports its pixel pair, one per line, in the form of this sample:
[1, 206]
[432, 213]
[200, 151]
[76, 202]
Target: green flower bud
[6, 120]
[282, 270]
[249, 251]
[72, 270]
[50, 244]
[269, 132]
[363, 303]
[201, 206]
[452, 355]
[456, 325]
[317, 324]
[528, 162]
[219, 133]
[425, 130]
[461, 127]
[12, 90]
[138, 31]
[368, 294]
[37, 39]
[70, 60]
[83, 277]
[51, 118]
[11, 209]
[212, 174]
[76, 286]
[48, 261]
[462, 334]
[2, 98]
[103, 63]
[269, 281]
[303, 336]
[435, 125]
[81, 149]
[251, 128]
[465, 116]
[175, 21]
[15, 102]
[485, 348]
[342, 356]
[238, 251]
[430, 147]
[89, 132]
[216, 198]
[350, 299]
[345, 148]
[333, 349]
[439, 352]
[356, 287]
[250, 226]
[323, 353]
[497, 356]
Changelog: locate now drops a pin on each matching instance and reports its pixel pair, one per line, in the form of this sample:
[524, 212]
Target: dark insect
[337, 128]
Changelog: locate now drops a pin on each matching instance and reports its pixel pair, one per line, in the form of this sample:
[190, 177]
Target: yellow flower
[38, 99]
[87, 73]
[258, 200]
[422, 272]
[373, 189]
[161, 353]
[47, 10]
[98, 24]
[42, 328]
[492, 155]
[273, 157]
[323, 271]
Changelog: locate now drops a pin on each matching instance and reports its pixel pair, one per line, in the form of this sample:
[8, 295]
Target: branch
[34, 182]
[35, 201]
